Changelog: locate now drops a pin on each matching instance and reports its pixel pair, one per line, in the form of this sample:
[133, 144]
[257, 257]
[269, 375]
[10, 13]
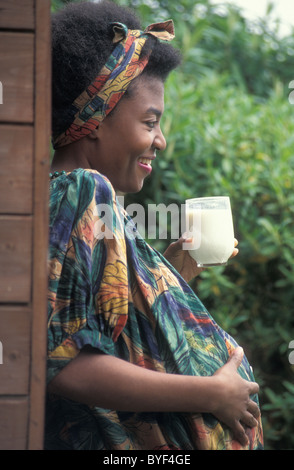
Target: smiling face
[127, 140]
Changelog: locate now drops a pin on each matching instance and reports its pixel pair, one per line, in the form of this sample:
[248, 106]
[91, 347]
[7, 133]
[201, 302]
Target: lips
[145, 162]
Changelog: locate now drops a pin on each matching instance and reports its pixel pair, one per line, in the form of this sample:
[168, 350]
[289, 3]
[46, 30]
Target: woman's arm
[108, 382]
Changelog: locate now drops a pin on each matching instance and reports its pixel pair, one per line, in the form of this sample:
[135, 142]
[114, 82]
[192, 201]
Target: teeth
[145, 161]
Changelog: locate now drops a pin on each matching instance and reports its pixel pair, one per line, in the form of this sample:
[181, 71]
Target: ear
[94, 134]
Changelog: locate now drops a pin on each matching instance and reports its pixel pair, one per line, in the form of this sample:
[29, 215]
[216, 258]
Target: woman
[134, 359]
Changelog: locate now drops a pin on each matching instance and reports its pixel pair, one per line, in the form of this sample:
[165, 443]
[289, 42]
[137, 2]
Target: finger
[235, 252]
[186, 236]
[249, 420]
[240, 434]
[186, 241]
[254, 388]
[253, 408]
[177, 245]
[236, 357]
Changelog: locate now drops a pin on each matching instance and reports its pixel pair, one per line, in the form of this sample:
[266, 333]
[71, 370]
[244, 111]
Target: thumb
[185, 237]
[173, 250]
[186, 241]
[236, 357]
[178, 244]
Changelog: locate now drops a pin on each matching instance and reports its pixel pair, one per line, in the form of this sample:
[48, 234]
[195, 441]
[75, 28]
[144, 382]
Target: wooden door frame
[42, 126]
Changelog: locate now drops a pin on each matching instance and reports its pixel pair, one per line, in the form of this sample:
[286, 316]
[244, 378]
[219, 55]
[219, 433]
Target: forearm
[108, 382]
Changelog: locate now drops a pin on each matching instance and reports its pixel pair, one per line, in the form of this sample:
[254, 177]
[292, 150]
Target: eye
[151, 124]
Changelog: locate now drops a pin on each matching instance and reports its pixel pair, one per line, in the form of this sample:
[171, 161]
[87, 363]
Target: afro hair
[81, 45]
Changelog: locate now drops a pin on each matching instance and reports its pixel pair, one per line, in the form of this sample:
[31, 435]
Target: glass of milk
[209, 221]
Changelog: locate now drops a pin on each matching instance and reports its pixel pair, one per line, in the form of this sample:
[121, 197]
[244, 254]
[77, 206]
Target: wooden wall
[24, 167]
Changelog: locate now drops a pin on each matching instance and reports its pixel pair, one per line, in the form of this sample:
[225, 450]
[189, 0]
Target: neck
[70, 157]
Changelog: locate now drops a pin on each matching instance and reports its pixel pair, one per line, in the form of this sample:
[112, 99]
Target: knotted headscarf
[123, 65]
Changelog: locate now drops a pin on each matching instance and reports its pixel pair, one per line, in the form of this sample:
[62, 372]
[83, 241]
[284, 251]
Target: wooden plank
[16, 14]
[16, 169]
[13, 423]
[41, 223]
[15, 342]
[16, 75]
[15, 255]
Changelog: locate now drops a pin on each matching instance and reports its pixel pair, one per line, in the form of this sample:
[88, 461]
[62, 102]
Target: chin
[132, 188]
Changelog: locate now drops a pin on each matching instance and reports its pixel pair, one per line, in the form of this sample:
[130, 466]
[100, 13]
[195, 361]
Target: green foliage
[57, 4]
[230, 131]
[280, 408]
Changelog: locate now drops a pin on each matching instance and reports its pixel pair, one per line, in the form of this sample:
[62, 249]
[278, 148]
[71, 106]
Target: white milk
[213, 235]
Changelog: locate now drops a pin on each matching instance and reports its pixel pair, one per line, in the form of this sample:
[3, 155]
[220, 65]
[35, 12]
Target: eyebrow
[153, 110]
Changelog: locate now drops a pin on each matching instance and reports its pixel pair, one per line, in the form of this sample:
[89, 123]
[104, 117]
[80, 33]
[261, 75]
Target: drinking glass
[209, 221]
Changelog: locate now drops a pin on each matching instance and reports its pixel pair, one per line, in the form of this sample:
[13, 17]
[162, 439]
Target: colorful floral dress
[109, 289]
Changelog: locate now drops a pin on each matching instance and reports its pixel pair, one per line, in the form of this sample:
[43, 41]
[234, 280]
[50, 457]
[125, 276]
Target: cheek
[131, 150]
[128, 141]
[143, 140]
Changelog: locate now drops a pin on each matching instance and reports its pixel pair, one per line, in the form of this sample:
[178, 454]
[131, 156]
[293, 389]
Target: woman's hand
[239, 412]
[182, 261]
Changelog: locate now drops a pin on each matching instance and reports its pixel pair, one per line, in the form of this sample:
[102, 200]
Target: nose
[159, 140]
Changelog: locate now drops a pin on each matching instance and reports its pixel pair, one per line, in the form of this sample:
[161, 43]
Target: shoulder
[102, 185]
[72, 194]
[81, 177]
[75, 200]
[78, 185]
